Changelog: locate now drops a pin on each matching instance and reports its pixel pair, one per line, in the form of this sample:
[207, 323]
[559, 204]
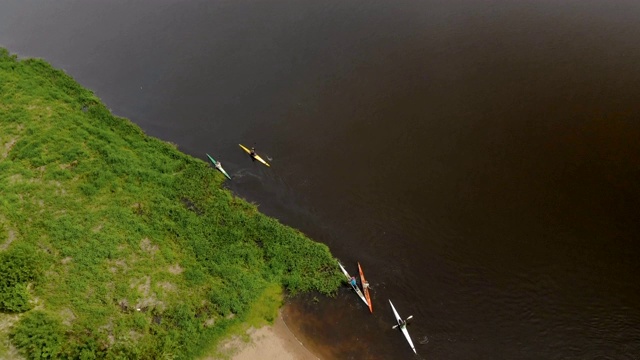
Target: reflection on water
[480, 159]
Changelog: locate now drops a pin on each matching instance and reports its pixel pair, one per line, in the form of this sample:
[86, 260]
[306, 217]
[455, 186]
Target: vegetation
[115, 245]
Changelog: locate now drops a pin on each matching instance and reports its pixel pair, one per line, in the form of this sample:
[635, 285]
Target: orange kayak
[365, 289]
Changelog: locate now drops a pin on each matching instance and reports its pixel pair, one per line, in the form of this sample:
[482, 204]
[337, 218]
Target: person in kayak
[253, 152]
[353, 281]
[218, 165]
[366, 285]
[402, 323]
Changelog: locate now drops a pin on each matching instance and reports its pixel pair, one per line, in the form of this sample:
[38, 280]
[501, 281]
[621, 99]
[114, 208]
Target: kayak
[257, 157]
[402, 327]
[365, 289]
[357, 290]
[218, 167]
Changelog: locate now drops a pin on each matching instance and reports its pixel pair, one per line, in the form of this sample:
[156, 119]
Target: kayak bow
[402, 327]
[219, 167]
[355, 288]
[364, 288]
[257, 157]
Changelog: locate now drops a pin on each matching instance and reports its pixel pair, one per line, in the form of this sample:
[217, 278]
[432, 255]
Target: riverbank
[114, 244]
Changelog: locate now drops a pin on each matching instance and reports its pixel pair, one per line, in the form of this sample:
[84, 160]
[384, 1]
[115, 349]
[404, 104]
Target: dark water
[481, 159]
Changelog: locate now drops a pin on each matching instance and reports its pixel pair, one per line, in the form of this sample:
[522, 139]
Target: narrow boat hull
[219, 168]
[257, 157]
[365, 289]
[355, 288]
[402, 328]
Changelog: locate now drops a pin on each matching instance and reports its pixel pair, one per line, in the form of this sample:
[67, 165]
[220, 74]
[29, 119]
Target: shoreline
[270, 342]
[85, 186]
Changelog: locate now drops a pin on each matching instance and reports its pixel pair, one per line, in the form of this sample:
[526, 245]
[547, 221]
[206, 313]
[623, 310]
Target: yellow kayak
[257, 157]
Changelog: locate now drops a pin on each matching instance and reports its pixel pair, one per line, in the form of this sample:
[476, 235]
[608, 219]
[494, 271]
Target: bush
[38, 335]
[18, 267]
[15, 298]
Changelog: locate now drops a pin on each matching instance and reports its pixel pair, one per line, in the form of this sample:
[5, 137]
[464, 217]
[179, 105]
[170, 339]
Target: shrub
[18, 267]
[38, 335]
[15, 298]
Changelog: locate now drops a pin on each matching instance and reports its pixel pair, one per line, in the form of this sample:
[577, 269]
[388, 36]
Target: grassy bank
[114, 244]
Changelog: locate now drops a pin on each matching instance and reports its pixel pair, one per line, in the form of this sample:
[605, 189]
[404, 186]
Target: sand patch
[274, 342]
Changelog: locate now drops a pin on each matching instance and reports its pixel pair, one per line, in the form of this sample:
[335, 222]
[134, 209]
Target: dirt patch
[60, 190]
[117, 265]
[138, 208]
[8, 350]
[148, 299]
[11, 236]
[15, 178]
[98, 228]
[147, 246]
[143, 285]
[67, 316]
[124, 305]
[108, 329]
[7, 148]
[66, 260]
[167, 286]
[175, 269]
[134, 335]
[7, 321]
[70, 165]
[150, 303]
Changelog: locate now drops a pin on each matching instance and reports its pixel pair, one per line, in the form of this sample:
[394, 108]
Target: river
[481, 159]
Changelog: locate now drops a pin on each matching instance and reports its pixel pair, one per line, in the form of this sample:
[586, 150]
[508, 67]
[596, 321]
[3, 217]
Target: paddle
[410, 317]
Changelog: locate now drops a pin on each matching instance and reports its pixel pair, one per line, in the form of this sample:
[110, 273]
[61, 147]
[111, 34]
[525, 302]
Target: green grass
[115, 245]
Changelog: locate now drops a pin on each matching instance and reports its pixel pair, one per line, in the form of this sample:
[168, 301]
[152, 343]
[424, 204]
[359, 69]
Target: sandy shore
[274, 342]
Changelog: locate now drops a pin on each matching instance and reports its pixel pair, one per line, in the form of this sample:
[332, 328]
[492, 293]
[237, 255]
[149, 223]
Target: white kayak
[402, 327]
[357, 290]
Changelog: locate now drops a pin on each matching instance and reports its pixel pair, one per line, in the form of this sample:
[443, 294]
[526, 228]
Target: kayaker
[353, 281]
[253, 152]
[218, 164]
[366, 285]
[402, 323]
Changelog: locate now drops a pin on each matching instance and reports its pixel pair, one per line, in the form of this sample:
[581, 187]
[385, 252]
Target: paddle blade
[410, 317]
[394, 327]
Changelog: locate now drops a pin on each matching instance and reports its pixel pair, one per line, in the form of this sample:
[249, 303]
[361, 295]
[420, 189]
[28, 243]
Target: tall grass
[113, 244]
